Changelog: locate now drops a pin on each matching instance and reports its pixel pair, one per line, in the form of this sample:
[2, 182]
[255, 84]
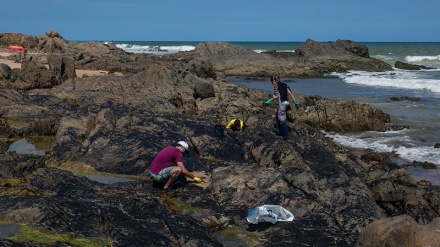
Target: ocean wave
[420, 153]
[264, 50]
[396, 79]
[412, 59]
[170, 49]
[155, 49]
[374, 143]
[390, 143]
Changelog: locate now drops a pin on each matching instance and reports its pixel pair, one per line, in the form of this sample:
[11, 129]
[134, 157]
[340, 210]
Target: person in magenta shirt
[168, 165]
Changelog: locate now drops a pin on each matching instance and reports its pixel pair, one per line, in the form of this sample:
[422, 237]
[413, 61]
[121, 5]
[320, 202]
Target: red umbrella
[15, 48]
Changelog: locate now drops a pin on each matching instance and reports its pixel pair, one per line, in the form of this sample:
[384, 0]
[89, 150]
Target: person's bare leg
[175, 172]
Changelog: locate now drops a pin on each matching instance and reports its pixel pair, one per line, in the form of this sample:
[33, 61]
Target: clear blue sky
[225, 20]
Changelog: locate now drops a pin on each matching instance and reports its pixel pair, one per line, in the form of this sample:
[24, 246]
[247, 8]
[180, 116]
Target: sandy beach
[79, 72]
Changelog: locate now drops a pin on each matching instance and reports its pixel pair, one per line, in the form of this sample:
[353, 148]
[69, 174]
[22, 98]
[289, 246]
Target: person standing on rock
[281, 91]
[168, 165]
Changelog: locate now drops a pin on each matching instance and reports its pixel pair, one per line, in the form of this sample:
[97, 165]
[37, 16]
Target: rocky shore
[114, 124]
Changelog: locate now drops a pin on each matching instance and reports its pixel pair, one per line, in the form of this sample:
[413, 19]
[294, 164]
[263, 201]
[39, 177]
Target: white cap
[184, 145]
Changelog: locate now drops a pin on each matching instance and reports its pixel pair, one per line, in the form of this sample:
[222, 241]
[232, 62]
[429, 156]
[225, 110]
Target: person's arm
[275, 96]
[187, 173]
[230, 124]
[292, 95]
[290, 92]
[295, 102]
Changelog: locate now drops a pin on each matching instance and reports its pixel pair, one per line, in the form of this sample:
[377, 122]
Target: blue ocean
[418, 92]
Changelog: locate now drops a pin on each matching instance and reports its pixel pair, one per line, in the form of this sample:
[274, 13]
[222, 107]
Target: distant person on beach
[168, 165]
[235, 125]
[16, 59]
[281, 91]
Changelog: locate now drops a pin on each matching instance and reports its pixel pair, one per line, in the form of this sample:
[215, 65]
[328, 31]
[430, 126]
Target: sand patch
[10, 63]
[6, 54]
[83, 72]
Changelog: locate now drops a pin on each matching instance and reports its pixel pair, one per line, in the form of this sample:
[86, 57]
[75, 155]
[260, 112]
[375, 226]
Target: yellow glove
[197, 180]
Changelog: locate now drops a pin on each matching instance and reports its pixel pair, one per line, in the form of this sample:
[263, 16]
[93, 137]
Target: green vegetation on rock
[28, 233]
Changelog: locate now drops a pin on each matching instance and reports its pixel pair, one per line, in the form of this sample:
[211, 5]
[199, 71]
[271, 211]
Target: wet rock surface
[408, 66]
[116, 124]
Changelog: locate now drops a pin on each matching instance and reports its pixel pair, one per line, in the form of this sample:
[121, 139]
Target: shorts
[282, 108]
[163, 175]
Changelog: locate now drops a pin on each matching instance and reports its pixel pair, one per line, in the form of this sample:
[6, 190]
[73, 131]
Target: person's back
[283, 91]
[166, 157]
[168, 165]
[235, 125]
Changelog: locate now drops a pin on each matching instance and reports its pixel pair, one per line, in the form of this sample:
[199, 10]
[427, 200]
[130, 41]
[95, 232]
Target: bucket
[219, 130]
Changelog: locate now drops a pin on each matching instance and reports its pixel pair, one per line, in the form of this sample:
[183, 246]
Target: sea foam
[412, 59]
[388, 142]
[155, 49]
[397, 79]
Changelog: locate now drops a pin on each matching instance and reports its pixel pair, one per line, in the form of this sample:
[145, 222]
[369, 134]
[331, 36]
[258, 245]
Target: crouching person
[235, 125]
[168, 165]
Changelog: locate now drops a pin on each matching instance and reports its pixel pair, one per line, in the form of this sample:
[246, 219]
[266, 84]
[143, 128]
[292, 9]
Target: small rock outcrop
[311, 48]
[400, 231]
[404, 98]
[30, 42]
[339, 56]
[408, 66]
[5, 72]
[312, 59]
[52, 42]
[342, 116]
[36, 75]
[63, 66]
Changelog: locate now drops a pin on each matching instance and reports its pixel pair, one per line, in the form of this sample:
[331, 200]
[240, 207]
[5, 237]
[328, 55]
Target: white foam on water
[413, 59]
[391, 141]
[170, 49]
[420, 153]
[157, 50]
[396, 79]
